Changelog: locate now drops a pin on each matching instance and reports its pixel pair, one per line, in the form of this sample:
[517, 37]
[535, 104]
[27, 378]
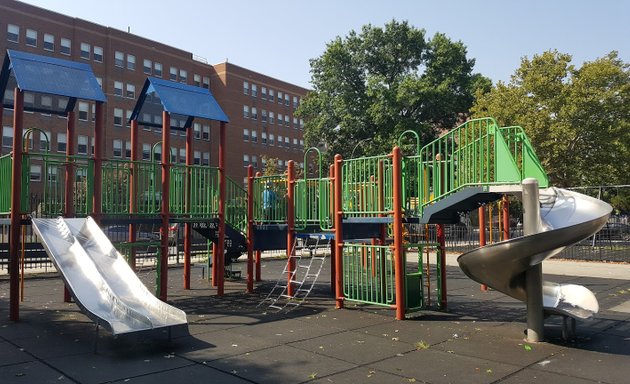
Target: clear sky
[278, 37]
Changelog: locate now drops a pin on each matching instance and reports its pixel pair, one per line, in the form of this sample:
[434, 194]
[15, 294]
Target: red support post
[16, 201]
[290, 226]
[221, 241]
[99, 146]
[166, 181]
[188, 226]
[250, 229]
[69, 179]
[133, 190]
[338, 211]
[482, 236]
[398, 234]
[331, 208]
[258, 253]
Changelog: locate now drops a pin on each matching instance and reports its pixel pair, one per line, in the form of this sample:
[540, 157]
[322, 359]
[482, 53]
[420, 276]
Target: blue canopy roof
[43, 74]
[180, 99]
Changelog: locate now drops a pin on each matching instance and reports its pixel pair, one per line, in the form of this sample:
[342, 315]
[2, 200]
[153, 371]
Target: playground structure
[365, 209]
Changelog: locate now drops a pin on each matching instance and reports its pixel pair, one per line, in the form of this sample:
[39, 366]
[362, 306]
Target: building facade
[260, 108]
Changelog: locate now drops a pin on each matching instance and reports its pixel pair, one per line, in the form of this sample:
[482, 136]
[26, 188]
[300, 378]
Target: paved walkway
[479, 340]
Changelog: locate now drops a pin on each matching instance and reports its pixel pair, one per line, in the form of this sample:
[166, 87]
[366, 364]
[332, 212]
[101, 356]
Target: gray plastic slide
[100, 281]
[567, 217]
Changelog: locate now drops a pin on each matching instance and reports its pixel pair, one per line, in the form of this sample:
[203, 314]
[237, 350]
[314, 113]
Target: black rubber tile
[528, 376]
[10, 354]
[363, 375]
[219, 344]
[590, 365]
[196, 373]
[32, 372]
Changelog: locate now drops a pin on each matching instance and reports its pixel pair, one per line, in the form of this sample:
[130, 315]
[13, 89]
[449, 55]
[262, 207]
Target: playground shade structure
[566, 217]
[100, 280]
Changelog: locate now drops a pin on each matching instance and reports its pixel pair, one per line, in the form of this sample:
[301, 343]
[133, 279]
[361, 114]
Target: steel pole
[533, 276]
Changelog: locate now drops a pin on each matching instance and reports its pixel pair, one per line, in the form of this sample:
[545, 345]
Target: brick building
[260, 108]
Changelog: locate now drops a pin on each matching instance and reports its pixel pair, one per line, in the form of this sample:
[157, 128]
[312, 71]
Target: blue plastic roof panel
[43, 74]
[180, 99]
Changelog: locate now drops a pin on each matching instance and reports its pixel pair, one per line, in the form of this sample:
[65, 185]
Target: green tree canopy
[576, 118]
[383, 81]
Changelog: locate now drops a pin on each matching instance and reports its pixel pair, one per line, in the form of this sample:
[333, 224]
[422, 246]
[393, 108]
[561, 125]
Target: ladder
[309, 262]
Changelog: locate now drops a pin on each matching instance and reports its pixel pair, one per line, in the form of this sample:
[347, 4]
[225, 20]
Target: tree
[383, 81]
[576, 118]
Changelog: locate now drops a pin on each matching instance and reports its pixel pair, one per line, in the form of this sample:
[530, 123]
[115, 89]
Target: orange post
[482, 235]
[188, 226]
[69, 179]
[399, 270]
[290, 226]
[338, 233]
[166, 181]
[250, 229]
[331, 208]
[505, 206]
[16, 185]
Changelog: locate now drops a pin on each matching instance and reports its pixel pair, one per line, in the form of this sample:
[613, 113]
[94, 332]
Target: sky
[279, 37]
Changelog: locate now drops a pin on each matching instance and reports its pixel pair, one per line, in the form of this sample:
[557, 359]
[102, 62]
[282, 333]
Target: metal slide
[99, 279]
[566, 218]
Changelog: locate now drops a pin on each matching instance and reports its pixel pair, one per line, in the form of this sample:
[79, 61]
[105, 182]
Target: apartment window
[271, 95]
[118, 88]
[119, 59]
[117, 147]
[128, 149]
[128, 118]
[254, 90]
[131, 91]
[13, 33]
[83, 111]
[197, 80]
[61, 142]
[245, 161]
[280, 119]
[205, 133]
[65, 46]
[301, 124]
[31, 37]
[85, 51]
[29, 100]
[92, 145]
[254, 137]
[173, 74]
[295, 123]
[264, 162]
[254, 113]
[197, 157]
[206, 159]
[301, 143]
[206, 82]
[263, 93]
[118, 117]
[62, 103]
[246, 111]
[157, 153]
[36, 172]
[182, 155]
[279, 97]
[255, 161]
[279, 141]
[46, 102]
[147, 67]
[157, 69]
[271, 117]
[131, 62]
[44, 141]
[7, 137]
[245, 134]
[183, 75]
[98, 54]
[146, 151]
[286, 142]
[49, 42]
[82, 145]
[286, 120]
[295, 143]
[295, 102]
[271, 139]
[263, 139]
[286, 99]
[245, 88]
[197, 131]
[93, 112]
[264, 116]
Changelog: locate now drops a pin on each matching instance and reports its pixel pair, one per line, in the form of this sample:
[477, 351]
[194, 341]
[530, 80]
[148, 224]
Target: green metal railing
[116, 182]
[313, 203]
[236, 206]
[369, 274]
[270, 199]
[6, 164]
[523, 153]
[367, 186]
[204, 191]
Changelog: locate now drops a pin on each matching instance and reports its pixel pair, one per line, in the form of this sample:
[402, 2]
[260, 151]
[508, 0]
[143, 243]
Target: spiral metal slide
[99, 279]
[566, 217]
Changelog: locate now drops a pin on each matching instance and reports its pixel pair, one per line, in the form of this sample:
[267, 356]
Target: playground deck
[232, 341]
